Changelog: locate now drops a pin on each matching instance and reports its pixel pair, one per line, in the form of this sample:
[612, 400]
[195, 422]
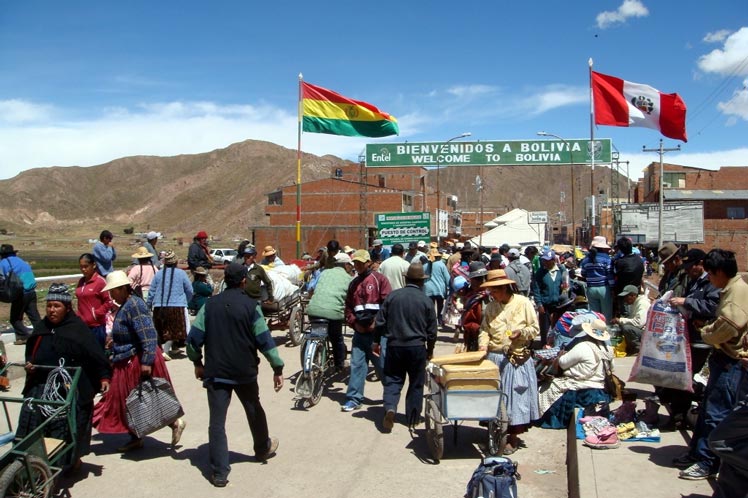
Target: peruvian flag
[622, 103]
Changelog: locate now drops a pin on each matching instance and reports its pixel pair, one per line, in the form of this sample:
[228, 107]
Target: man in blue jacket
[233, 331]
[26, 303]
[549, 286]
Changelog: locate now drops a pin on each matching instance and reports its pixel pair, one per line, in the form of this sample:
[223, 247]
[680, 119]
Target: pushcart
[287, 312]
[31, 465]
[448, 403]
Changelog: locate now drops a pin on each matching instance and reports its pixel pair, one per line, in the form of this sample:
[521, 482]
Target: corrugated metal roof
[705, 195]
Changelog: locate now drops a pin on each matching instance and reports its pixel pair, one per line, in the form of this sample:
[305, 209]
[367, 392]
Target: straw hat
[597, 330]
[348, 250]
[434, 254]
[200, 271]
[142, 252]
[116, 279]
[496, 278]
[268, 251]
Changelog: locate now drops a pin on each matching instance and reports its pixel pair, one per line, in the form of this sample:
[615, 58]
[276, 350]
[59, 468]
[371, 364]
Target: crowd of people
[508, 302]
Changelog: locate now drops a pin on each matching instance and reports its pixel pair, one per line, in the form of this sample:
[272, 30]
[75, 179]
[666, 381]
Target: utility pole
[661, 150]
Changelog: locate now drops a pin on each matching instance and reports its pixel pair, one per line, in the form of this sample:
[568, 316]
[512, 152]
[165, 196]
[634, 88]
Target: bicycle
[316, 361]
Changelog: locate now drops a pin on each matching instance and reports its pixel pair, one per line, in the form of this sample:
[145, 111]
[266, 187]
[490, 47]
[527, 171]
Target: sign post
[489, 153]
[402, 228]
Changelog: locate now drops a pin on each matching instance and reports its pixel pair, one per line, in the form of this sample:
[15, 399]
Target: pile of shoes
[600, 434]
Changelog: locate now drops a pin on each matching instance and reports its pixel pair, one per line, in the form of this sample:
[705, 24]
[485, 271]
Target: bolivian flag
[328, 112]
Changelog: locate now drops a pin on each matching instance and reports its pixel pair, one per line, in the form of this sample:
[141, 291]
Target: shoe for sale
[350, 406]
[603, 439]
[389, 421]
[177, 430]
[272, 448]
[696, 472]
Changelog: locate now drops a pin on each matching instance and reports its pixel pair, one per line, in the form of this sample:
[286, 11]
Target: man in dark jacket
[549, 287]
[628, 268]
[699, 306]
[198, 254]
[408, 321]
[233, 330]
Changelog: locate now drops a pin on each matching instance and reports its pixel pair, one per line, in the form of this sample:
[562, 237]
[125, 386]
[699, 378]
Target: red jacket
[93, 304]
[365, 295]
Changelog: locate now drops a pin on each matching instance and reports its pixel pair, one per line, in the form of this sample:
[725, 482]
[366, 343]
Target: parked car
[224, 256]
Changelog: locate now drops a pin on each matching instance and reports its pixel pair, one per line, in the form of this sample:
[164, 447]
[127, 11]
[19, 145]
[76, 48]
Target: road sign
[490, 153]
[403, 227]
[537, 217]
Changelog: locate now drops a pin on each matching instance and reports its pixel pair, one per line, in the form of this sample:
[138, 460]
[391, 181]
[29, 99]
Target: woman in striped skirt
[509, 326]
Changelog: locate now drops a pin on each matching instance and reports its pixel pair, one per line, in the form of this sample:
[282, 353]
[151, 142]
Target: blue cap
[548, 255]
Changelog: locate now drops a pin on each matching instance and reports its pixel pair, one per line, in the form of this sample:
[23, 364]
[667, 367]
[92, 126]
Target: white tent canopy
[512, 229]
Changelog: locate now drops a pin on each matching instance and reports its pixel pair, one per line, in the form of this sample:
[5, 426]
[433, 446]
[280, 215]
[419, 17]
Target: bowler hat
[667, 251]
[415, 272]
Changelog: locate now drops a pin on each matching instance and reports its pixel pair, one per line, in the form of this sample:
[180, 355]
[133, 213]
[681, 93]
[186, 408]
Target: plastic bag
[665, 356]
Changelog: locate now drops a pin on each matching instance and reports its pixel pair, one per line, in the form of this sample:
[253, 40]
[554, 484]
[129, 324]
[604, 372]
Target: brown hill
[224, 191]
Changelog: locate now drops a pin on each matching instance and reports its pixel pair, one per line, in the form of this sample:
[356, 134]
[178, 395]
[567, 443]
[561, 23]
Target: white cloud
[737, 105]
[716, 36]
[553, 97]
[21, 111]
[731, 58]
[629, 8]
[708, 160]
[470, 91]
[163, 129]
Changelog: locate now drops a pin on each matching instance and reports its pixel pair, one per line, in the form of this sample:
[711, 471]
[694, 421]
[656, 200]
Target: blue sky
[86, 82]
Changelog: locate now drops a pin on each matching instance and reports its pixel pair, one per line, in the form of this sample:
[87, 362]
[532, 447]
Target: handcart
[286, 313]
[32, 464]
[464, 387]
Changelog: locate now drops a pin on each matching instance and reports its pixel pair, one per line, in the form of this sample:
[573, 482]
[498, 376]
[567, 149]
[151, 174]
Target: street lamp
[438, 191]
[571, 184]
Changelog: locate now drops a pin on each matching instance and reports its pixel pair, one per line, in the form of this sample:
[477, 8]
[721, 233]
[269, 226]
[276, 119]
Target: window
[407, 202]
[736, 213]
[381, 181]
[275, 198]
[674, 180]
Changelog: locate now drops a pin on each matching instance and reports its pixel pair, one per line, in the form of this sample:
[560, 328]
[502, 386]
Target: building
[724, 194]
[343, 207]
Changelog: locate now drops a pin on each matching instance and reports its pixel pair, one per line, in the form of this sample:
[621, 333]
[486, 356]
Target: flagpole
[298, 172]
[592, 156]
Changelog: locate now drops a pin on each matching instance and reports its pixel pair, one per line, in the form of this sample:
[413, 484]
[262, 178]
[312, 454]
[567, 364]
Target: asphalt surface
[323, 451]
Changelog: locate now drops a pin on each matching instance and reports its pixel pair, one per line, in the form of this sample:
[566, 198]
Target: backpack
[495, 477]
[11, 287]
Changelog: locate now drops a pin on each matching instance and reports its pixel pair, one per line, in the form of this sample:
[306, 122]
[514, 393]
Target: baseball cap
[153, 235]
[692, 257]
[421, 244]
[342, 257]
[513, 253]
[361, 255]
[234, 273]
[412, 245]
[629, 289]
[377, 242]
[548, 255]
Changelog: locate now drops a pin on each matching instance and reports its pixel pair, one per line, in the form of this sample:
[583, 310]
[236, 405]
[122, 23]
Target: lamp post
[438, 191]
[571, 184]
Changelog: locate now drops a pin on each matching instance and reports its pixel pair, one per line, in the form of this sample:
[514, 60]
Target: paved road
[323, 451]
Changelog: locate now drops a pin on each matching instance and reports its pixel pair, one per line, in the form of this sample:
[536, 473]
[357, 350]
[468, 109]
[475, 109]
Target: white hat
[421, 243]
[342, 257]
[116, 279]
[153, 235]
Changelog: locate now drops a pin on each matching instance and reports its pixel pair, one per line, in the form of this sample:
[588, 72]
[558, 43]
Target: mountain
[224, 191]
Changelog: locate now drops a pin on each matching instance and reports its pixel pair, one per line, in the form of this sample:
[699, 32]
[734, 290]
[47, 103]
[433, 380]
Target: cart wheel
[296, 325]
[16, 481]
[498, 431]
[434, 433]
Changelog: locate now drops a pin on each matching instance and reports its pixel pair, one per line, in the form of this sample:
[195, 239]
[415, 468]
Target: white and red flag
[623, 103]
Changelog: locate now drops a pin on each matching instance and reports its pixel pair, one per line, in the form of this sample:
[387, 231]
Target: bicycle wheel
[317, 374]
[498, 431]
[296, 325]
[434, 433]
[16, 481]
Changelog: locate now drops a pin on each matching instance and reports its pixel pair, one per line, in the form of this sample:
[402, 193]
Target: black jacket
[702, 299]
[72, 341]
[407, 318]
[629, 270]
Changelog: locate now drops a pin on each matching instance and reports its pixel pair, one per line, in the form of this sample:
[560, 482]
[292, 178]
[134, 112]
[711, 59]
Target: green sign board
[402, 228]
[491, 153]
